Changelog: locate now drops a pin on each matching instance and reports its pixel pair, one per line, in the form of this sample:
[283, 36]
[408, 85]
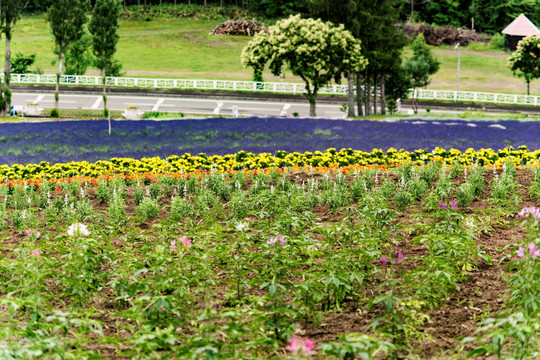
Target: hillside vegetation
[170, 47]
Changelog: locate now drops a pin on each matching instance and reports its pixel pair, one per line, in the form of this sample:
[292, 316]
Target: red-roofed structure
[517, 30]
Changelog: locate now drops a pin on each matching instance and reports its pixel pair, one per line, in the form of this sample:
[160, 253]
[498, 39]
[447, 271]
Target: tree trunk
[414, 102]
[383, 96]
[105, 110]
[312, 105]
[528, 86]
[367, 92]
[359, 94]
[350, 94]
[58, 73]
[375, 93]
[7, 72]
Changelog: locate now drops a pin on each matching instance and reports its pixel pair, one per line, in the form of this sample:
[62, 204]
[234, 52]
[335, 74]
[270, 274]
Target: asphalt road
[205, 103]
[174, 104]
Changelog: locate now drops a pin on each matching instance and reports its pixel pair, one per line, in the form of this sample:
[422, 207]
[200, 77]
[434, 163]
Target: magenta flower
[384, 260]
[273, 240]
[533, 250]
[185, 241]
[400, 257]
[301, 346]
[453, 204]
[36, 253]
[520, 252]
[173, 246]
[533, 211]
[33, 233]
[442, 206]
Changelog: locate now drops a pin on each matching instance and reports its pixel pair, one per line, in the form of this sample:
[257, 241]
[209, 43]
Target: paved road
[178, 104]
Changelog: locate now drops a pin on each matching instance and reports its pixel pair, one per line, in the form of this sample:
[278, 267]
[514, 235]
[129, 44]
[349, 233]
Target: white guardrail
[263, 87]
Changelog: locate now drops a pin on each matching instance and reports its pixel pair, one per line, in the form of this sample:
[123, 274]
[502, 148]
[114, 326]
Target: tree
[10, 11]
[494, 15]
[447, 12]
[20, 63]
[78, 56]
[398, 83]
[276, 8]
[314, 50]
[373, 23]
[525, 61]
[420, 66]
[67, 19]
[103, 27]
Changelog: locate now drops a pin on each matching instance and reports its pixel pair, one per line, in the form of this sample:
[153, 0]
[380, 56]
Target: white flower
[78, 229]
[241, 226]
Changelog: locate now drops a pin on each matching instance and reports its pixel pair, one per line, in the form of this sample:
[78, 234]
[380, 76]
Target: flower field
[139, 250]
[66, 141]
[84, 148]
[431, 261]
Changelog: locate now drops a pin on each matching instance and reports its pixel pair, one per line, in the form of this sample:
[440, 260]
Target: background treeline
[489, 16]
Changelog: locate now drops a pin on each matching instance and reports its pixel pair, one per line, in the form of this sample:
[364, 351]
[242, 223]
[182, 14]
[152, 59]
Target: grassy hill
[184, 48]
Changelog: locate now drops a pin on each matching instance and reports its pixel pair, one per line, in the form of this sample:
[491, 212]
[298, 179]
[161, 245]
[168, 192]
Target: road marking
[97, 103]
[258, 109]
[159, 102]
[61, 101]
[39, 98]
[138, 104]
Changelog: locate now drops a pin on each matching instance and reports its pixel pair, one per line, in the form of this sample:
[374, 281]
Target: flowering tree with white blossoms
[525, 61]
[313, 50]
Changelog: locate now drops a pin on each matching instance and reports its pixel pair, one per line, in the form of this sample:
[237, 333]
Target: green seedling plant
[82, 265]
[353, 346]
[515, 332]
[147, 209]
[209, 276]
[401, 315]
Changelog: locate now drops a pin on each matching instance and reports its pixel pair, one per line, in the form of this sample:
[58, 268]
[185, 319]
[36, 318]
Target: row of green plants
[237, 265]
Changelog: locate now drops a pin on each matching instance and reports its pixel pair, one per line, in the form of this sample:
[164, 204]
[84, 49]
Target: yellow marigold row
[188, 163]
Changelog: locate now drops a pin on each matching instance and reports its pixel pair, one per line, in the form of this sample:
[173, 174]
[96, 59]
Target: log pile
[238, 27]
[446, 35]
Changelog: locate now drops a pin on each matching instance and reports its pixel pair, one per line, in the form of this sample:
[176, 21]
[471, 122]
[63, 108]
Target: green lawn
[184, 48]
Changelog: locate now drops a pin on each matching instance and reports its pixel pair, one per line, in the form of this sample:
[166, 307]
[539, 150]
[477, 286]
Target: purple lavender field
[67, 141]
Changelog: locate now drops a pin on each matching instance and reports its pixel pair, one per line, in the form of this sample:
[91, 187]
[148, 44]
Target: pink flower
[185, 241]
[384, 260]
[442, 206]
[400, 257]
[303, 346]
[36, 253]
[525, 212]
[453, 204]
[33, 233]
[273, 240]
[533, 250]
[173, 245]
[520, 252]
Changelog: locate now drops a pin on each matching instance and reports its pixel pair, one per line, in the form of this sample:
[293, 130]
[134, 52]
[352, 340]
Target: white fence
[262, 87]
[482, 97]
[126, 82]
